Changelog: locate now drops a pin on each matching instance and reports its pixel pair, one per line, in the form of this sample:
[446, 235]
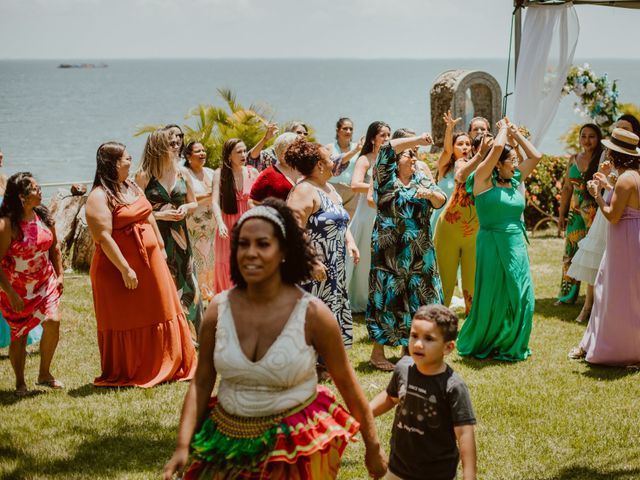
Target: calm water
[52, 120]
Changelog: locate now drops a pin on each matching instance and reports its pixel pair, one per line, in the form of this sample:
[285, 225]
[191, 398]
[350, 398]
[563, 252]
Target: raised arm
[482, 179]
[100, 221]
[323, 333]
[402, 144]
[194, 408]
[464, 169]
[447, 144]
[254, 153]
[533, 156]
[358, 185]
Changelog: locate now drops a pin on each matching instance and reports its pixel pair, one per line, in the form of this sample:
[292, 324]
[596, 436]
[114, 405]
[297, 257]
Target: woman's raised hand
[272, 131]
[605, 167]
[449, 121]
[426, 138]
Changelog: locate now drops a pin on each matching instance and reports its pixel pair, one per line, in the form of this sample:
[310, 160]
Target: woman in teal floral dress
[403, 274]
[169, 190]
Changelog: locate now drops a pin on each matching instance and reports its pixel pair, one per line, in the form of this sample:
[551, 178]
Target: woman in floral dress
[168, 188]
[577, 206]
[404, 274]
[201, 223]
[319, 209]
[31, 276]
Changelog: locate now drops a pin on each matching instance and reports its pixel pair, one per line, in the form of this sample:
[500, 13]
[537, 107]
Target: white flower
[590, 87]
[586, 66]
[600, 119]
[579, 90]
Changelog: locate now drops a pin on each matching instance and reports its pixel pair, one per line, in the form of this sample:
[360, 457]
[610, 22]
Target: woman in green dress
[500, 320]
[168, 188]
[577, 206]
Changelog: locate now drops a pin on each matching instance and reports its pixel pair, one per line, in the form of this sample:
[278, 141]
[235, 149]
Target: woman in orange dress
[143, 335]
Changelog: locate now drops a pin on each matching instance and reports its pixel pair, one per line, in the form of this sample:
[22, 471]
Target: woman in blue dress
[404, 274]
[319, 209]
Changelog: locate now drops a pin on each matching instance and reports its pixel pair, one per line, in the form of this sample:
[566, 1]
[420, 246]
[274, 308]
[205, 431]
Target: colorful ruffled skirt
[306, 442]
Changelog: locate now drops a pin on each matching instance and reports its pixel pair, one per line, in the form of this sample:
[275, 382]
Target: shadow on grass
[8, 397]
[89, 389]
[478, 363]
[603, 372]
[576, 472]
[127, 448]
[567, 313]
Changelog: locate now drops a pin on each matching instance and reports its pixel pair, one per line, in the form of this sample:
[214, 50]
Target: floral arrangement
[597, 97]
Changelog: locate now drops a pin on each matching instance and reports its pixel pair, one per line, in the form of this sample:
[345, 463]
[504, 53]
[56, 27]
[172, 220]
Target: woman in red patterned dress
[30, 276]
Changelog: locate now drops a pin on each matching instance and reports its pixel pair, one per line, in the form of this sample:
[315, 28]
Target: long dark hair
[20, 184]
[228, 201]
[106, 176]
[635, 124]
[452, 161]
[299, 255]
[372, 131]
[341, 121]
[595, 157]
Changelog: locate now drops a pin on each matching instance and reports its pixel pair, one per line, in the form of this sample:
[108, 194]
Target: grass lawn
[545, 418]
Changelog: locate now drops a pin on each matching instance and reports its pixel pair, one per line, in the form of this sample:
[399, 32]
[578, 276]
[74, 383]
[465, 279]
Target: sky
[105, 29]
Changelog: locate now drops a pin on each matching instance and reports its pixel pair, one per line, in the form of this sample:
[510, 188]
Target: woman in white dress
[201, 223]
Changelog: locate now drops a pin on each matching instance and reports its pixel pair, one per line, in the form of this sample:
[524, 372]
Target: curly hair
[106, 175]
[446, 320]
[299, 255]
[623, 160]
[303, 156]
[11, 207]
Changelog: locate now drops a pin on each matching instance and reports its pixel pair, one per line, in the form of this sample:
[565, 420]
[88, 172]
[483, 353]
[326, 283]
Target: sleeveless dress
[327, 228]
[222, 246]
[341, 179]
[361, 227]
[501, 316]
[202, 226]
[5, 332]
[613, 334]
[455, 242]
[446, 184]
[271, 419]
[581, 214]
[403, 274]
[177, 246]
[30, 272]
[143, 336]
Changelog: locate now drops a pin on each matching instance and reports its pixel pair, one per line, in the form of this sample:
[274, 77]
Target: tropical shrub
[214, 125]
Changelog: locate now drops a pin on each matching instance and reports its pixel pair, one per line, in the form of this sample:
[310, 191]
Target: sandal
[53, 384]
[383, 365]
[576, 353]
[22, 391]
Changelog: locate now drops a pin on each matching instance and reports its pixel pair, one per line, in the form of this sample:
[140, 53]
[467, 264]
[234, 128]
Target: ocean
[52, 120]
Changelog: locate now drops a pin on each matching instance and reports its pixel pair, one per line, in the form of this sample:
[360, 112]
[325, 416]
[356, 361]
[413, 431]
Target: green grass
[546, 418]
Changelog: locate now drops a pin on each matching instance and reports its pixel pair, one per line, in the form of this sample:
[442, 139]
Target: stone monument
[468, 94]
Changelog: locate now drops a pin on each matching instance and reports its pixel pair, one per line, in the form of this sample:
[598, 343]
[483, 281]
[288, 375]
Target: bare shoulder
[5, 226]
[318, 314]
[142, 179]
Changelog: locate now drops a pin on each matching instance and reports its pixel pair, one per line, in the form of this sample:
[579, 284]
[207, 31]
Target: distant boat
[83, 65]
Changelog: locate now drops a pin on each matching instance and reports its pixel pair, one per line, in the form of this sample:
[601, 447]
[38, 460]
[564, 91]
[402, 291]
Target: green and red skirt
[306, 442]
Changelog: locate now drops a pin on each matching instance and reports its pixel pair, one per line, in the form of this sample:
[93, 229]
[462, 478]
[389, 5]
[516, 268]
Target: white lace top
[283, 378]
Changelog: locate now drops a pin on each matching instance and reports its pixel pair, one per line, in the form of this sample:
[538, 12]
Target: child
[434, 408]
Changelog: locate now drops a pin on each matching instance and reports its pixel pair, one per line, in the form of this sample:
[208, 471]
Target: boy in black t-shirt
[434, 416]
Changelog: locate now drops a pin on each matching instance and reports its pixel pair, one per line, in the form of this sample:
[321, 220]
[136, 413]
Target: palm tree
[214, 125]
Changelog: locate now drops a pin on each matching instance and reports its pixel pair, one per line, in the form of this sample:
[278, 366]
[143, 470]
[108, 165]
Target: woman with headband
[270, 418]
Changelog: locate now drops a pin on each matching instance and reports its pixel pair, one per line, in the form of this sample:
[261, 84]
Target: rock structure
[72, 232]
[449, 92]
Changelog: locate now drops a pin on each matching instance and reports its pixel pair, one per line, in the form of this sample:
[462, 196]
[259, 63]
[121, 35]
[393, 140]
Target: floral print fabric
[30, 272]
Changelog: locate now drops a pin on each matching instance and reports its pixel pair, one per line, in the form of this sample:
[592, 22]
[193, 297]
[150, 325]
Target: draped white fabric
[549, 39]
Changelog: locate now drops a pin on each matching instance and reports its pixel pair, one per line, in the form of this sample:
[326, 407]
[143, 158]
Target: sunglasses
[174, 143]
[303, 133]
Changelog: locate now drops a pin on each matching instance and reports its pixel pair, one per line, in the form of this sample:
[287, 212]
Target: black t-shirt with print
[423, 442]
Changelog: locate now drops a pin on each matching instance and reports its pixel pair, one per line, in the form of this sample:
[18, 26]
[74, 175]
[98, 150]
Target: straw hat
[623, 141]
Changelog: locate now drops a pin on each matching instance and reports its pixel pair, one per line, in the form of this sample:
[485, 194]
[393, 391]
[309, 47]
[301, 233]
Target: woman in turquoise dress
[499, 323]
[403, 274]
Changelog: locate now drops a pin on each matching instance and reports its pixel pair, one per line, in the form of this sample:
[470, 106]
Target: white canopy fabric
[549, 40]
[604, 3]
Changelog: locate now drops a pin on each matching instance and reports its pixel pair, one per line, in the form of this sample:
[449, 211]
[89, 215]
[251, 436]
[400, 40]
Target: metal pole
[518, 4]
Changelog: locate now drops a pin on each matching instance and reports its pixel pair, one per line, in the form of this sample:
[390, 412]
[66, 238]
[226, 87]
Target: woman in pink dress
[231, 187]
[613, 333]
[30, 277]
